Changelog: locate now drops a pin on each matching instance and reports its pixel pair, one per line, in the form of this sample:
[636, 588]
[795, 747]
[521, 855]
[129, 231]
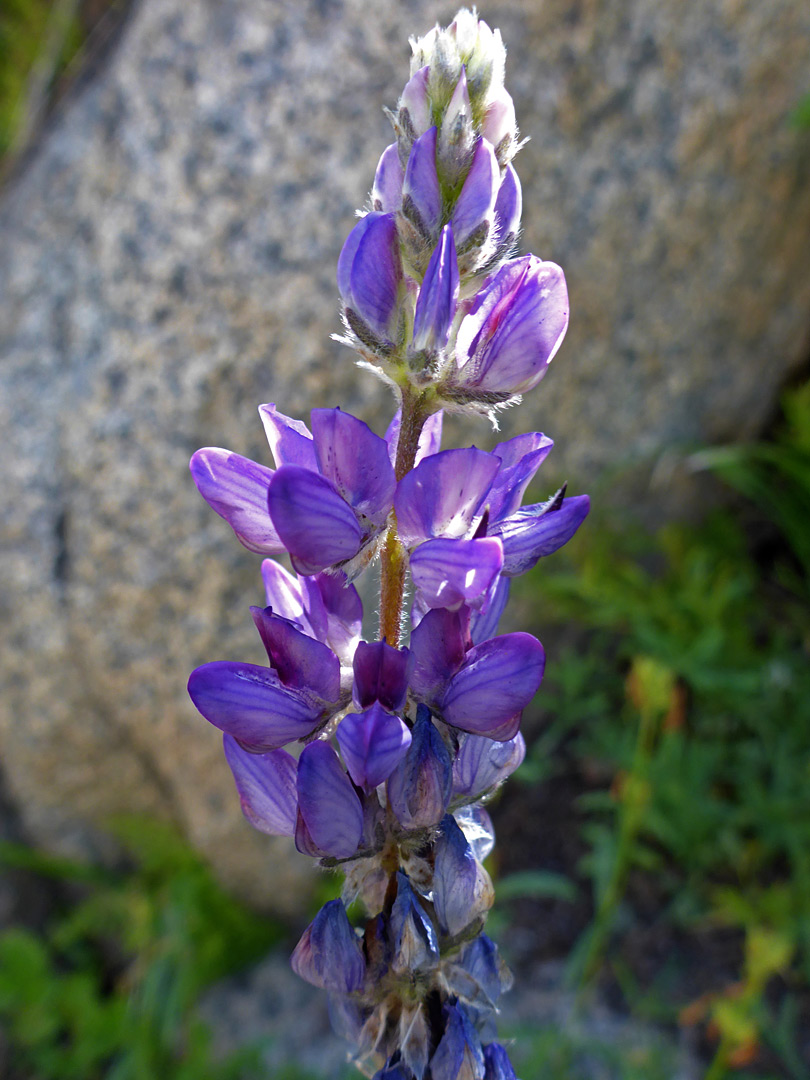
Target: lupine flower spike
[396, 743]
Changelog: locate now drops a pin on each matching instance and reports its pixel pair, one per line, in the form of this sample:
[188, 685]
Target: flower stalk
[398, 742]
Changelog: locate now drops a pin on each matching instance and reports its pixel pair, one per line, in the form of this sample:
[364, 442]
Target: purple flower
[236, 488]
[481, 689]
[513, 329]
[508, 210]
[447, 496]
[264, 708]
[381, 674]
[415, 102]
[328, 499]
[329, 954]
[369, 275]
[327, 514]
[473, 212]
[386, 194]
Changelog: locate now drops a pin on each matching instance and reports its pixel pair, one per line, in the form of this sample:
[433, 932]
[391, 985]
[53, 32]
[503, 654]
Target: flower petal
[416, 100]
[250, 703]
[459, 1055]
[535, 531]
[284, 594]
[508, 209]
[514, 328]
[372, 743]
[236, 488]
[449, 573]
[369, 271]
[381, 674]
[413, 936]
[327, 802]
[419, 787]
[438, 645]
[498, 679]
[484, 623]
[302, 662]
[316, 525]
[342, 608]
[266, 786]
[482, 764]
[498, 1065]
[290, 440]
[444, 494]
[521, 457]
[355, 461]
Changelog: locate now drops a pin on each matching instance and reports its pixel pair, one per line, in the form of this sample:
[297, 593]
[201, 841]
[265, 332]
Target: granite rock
[168, 262]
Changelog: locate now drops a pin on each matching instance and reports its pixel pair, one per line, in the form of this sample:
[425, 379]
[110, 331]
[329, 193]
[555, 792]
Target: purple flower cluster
[397, 741]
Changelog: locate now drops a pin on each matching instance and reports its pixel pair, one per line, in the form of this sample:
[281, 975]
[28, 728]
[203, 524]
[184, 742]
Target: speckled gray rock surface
[168, 262]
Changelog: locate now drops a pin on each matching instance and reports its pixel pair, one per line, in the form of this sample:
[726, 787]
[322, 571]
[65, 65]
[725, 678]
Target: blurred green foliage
[38, 39]
[694, 693]
[109, 989]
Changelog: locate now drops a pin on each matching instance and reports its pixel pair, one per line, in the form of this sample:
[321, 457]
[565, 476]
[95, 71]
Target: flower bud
[369, 276]
[421, 191]
[329, 954]
[386, 194]
[473, 213]
[414, 111]
[508, 210]
[419, 787]
[456, 135]
[438, 296]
